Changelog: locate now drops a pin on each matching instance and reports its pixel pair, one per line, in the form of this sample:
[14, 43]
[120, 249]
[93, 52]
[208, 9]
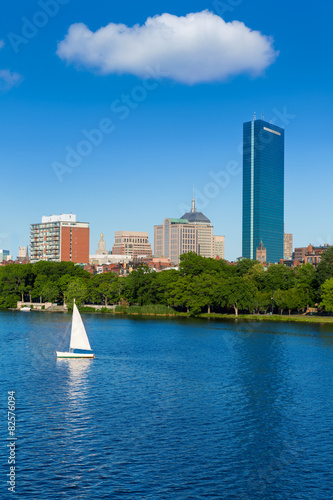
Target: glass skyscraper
[263, 189]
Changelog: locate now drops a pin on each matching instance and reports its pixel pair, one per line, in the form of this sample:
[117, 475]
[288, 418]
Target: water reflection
[75, 372]
[267, 439]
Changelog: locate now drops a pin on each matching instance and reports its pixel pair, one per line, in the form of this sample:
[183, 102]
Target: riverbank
[275, 317]
[243, 317]
[167, 312]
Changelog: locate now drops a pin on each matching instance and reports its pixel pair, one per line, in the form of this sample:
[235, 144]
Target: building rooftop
[195, 216]
[59, 218]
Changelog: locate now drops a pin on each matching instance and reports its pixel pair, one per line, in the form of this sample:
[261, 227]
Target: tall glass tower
[263, 189]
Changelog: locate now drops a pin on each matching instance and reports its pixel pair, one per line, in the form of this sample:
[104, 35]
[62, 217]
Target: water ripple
[174, 409]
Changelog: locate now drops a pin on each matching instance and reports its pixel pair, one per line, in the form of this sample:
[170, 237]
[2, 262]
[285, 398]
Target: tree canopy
[200, 285]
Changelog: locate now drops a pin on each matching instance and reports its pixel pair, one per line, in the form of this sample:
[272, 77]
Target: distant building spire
[254, 116]
[101, 250]
[193, 203]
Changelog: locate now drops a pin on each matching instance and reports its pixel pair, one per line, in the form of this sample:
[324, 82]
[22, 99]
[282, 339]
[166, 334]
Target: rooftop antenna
[193, 202]
[254, 116]
[262, 116]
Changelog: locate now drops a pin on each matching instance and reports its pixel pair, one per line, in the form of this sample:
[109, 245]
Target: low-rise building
[131, 243]
[310, 254]
[99, 260]
[156, 263]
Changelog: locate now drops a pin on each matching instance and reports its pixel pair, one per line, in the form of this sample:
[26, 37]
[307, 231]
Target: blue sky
[179, 132]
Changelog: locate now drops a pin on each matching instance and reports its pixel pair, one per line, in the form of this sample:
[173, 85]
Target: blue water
[169, 409]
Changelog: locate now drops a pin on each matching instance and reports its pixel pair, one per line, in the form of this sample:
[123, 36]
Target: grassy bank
[164, 311]
[161, 310]
[275, 317]
[149, 310]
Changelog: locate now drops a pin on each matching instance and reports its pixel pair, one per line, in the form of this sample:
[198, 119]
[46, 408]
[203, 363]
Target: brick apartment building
[60, 238]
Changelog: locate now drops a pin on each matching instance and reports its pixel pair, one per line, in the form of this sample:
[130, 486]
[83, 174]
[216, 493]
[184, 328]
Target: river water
[169, 409]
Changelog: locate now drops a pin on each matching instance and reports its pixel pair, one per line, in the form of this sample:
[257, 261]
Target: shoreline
[277, 318]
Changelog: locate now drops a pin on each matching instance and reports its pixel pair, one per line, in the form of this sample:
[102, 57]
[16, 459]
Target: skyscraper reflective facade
[263, 189]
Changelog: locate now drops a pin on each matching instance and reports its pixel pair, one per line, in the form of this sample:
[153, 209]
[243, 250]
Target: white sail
[79, 339]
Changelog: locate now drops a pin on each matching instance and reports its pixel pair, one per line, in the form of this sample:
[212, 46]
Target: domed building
[193, 232]
[195, 217]
[204, 230]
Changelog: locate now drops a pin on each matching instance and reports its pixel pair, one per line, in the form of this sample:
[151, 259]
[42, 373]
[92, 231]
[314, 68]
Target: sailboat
[79, 338]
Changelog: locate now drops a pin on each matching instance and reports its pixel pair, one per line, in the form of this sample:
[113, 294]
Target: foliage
[305, 284]
[289, 299]
[324, 269]
[277, 277]
[279, 300]
[78, 290]
[237, 292]
[244, 266]
[255, 273]
[292, 299]
[327, 295]
[262, 301]
[192, 264]
[200, 286]
[102, 290]
[88, 309]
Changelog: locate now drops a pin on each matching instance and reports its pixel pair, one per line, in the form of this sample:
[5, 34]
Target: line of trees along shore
[200, 285]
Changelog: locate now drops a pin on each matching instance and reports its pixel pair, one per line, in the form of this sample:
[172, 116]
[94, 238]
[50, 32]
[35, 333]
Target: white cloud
[8, 79]
[200, 47]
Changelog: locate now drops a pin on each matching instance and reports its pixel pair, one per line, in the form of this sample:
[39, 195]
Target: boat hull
[73, 355]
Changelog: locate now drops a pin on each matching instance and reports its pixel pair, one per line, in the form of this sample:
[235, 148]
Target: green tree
[63, 283]
[262, 301]
[160, 285]
[236, 292]
[244, 266]
[292, 299]
[327, 295]
[50, 291]
[16, 279]
[277, 277]
[305, 284]
[100, 288]
[78, 290]
[324, 269]
[201, 293]
[279, 300]
[255, 273]
[40, 284]
[116, 289]
[192, 264]
[137, 287]
[178, 293]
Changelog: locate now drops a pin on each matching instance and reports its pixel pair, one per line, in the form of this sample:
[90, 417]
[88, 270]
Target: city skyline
[169, 130]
